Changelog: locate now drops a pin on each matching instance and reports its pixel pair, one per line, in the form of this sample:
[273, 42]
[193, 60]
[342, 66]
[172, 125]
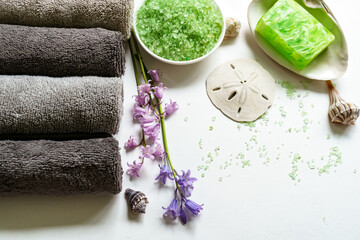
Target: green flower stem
[161, 113]
[134, 62]
[137, 84]
[139, 56]
[166, 148]
[142, 67]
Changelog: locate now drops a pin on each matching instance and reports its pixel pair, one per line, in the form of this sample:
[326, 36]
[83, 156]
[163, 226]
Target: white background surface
[260, 201]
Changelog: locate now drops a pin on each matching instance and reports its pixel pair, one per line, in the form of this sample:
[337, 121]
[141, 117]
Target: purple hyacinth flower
[186, 183]
[193, 206]
[142, 99]
[134, 169]
[165, 173]
[155, 75]
[171, 210]
[159, 91]
[147, 152]
[145, 88]
[131, 143]
[138, 111]
[158, 151]
[182, 216]
[151, 126]
[171, 108]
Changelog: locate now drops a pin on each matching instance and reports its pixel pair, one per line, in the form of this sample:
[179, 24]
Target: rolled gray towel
[44, 105]
[110, 14]
[48, 167]
[60, 52]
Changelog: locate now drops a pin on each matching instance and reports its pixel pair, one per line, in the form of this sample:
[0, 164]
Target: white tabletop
[242, 200]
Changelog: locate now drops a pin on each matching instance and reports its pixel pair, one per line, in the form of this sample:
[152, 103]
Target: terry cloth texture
[109, 14]
[44, 105]
[60, 52]
[48, 167]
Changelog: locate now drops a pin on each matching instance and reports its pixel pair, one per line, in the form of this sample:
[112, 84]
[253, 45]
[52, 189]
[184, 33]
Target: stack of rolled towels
[61, 95]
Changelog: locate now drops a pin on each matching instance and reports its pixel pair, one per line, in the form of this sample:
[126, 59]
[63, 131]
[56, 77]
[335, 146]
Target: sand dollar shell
[242, 89]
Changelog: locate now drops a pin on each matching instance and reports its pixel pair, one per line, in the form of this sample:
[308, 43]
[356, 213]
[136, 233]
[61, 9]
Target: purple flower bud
[182, 216]
[193, 206]
[171, 210]
[171, 108]
[159, 91]
[131, 143]
[155, 75]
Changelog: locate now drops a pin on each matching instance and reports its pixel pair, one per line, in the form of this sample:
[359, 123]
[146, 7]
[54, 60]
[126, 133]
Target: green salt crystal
[179, 30]
[282, 111]
[294, 32]
[290, 89]
[200, 143]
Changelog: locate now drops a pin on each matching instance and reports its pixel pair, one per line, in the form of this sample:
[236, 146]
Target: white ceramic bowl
[221, 37]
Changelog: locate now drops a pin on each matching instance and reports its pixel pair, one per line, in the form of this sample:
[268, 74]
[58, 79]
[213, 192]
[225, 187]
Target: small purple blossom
[147, 152]
[186, 183]
[182, 216]
[193, 206]
[131, 143]
[138, 111]
[159, 90]
[171, 210]
[155, 75]
[142, 99]
[145, 88]
[151, 126]
[165, 173]
[171, 108]
[134, 169]
[158, 151]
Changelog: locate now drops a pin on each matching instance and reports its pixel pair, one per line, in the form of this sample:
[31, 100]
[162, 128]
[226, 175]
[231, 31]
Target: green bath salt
[294, 32]
[179, 30]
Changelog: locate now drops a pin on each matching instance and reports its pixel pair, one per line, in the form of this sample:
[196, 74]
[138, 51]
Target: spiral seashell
[339, 110]
[136, 200]
[232, 27]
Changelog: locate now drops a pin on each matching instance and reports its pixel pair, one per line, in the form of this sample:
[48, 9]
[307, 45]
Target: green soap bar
[294, 32]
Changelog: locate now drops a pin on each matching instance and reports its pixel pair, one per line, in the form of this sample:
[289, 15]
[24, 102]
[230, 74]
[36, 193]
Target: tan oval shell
[232, 27]
[339, 110]
[136, 200]
[242, 89]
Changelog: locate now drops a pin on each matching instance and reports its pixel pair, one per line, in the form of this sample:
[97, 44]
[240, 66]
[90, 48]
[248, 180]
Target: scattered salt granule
[200, 143]
[290, 89]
